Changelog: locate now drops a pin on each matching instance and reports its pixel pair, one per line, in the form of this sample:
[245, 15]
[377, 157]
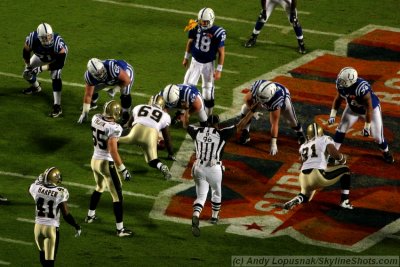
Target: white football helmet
[206, 18]
[266, 91]
[171, 95]
[96, 67]
[347, 77]
[45, 34]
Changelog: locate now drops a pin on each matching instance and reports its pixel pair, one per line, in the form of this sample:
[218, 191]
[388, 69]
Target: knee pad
[57, 85]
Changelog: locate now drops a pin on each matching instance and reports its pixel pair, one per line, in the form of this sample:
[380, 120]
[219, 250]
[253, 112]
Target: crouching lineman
[147, 121]
[188, 100]
[207, 170]
[275, 98]
[104, 73]
[361, 103]
[314, 173]
[49, 54]
[50, 198]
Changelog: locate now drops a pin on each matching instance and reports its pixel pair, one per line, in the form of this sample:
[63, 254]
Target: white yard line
[194, 14]
[9, 240]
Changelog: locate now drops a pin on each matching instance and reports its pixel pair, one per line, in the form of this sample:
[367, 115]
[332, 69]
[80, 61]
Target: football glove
[274, 147]
[83, 117]
[263, 15]
[257, 115]
[367, 129]
[332, 116]
[78, 231]
[126, 174]
[171, 157]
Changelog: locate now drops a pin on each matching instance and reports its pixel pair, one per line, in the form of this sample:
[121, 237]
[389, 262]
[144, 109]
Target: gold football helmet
[112, 110]
[157, 101]
[52, 176]
[314, 130]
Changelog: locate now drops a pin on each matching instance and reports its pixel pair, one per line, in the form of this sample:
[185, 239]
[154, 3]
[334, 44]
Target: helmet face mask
[266, 91]
[96, 68]
[45, 34]
[206, 18]
[157, 101]
[347, 77]
[52, 176]
[314, 130]
[171, 95]
[112, 110]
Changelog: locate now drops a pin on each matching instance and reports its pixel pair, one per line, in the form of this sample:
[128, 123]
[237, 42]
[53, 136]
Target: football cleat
[292, 203]
[124, 232]
[214, 220]
[56, 112]
[244, 137]
[165, 171]
[302, 47]
[90, 219]
[195, 226]
[3, 200]
[251, 42]
[32, 90]
[388, 157]
[345, 204]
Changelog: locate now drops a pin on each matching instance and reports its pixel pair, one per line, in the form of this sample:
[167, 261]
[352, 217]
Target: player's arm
[112, 145]
[187, 52]
[264, 4]
[26, 54]
[293, 6]
[249, 115]
[334, 153]
[168, 140]
[69, 218]
[335, 106]
[221, 60]
[367, 101]
[274, 120]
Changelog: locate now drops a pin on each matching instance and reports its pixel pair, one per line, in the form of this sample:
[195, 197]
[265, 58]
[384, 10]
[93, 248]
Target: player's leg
[339, 173]
[260, 22]
[214, 178]
[192, 74]
[97, 193]
[30, 74]
[202, 186]
[294, 20]
[347, 120]
[207, 75]
[377, 133]
[57, 88]
[289, 114]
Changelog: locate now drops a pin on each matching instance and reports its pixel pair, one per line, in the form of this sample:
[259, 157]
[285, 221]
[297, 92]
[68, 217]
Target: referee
[207, 169]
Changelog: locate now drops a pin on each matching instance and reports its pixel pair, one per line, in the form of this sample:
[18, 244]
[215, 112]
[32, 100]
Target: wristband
[273, 140]
[44, 68]
[121, 168]
[187, 55]
[219, 68]
[85, 108]
[117, 88]
[367, 125]
[333, 113]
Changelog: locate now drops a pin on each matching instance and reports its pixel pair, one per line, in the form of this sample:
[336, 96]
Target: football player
[49, 54]
[107, 165]
[188, 101]
[267, 7]
[207, 170]
[50, 198]
[315, 174]
[101, 74]
[147, 122]
[275, 98]
[361, 102]
[206, 40]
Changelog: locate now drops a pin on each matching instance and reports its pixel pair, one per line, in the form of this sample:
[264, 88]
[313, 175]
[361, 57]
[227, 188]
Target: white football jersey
[103, 130]
[313, 152]
[151, 116]
[47, 199]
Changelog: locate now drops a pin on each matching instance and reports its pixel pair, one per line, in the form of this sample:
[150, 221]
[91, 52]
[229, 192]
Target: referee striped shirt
[209, 141]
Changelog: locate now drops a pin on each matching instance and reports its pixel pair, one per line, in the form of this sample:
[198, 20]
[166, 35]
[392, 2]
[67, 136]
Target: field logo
[254, 181]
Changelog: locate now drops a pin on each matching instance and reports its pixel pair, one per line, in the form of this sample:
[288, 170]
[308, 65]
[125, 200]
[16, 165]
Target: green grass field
[149, 35]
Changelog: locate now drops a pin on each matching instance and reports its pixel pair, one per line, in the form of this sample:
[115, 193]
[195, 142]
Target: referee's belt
[209, 163]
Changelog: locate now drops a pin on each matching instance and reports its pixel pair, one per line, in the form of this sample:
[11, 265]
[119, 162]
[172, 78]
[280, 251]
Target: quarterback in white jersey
[315, 174]
[50, 198]
[147, 122]
[105, 163]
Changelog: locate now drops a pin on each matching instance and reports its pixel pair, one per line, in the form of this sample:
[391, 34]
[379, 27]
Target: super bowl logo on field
[255, 181]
